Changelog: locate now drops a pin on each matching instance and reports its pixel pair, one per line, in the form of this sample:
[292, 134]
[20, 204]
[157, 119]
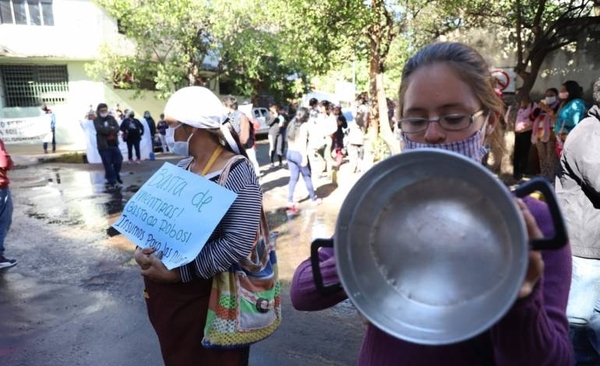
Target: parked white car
[261, 115]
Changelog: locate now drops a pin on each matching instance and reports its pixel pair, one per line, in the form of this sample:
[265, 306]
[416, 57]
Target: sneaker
[138, 161]
[119, 180]
[317, 201]
[129, 161]
[7, 263]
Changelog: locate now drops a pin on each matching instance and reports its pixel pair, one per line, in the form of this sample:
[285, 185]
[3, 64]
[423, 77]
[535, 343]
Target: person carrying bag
[209, 311]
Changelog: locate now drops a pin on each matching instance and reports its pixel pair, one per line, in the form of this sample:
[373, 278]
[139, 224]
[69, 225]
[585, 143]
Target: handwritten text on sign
[175, 212]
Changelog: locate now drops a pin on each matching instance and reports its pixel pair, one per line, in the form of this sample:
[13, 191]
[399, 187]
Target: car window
[256, 113]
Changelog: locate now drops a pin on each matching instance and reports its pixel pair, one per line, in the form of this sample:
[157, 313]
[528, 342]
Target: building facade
[44, 48]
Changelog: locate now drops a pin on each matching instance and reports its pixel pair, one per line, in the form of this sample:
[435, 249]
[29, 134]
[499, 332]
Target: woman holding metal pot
[447, 101]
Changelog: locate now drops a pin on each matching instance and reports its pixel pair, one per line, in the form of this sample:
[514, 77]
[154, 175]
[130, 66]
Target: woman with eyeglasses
[447, 101]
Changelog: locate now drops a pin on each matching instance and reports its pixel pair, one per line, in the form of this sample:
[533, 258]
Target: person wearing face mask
[447, 101]
[151, 124]
[132, 130]
[578, 192]
[107, 140]
[571, 111]
[542, 136]
[177, 300]
[523, 132]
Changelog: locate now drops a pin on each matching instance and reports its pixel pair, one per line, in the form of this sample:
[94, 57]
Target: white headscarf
[199, 107]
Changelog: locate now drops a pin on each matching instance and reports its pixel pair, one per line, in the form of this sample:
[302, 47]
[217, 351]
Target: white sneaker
[7, 263]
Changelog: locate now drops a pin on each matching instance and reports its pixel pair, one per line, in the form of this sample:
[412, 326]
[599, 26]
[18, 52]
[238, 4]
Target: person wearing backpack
[243, 127]
[132, 134]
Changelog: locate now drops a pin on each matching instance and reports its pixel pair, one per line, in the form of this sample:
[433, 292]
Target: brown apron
[177, 312]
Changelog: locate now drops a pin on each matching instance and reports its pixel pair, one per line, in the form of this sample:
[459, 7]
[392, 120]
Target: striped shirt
[235, 235]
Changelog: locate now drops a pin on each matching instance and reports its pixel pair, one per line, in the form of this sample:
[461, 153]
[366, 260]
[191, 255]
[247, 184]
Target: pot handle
[560, 233]
[316, 268]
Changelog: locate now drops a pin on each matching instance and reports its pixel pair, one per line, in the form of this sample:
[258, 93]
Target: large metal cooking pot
[431, 247]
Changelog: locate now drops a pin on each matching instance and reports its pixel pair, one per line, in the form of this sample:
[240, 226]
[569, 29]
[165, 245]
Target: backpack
[132, 129]
[236, 117]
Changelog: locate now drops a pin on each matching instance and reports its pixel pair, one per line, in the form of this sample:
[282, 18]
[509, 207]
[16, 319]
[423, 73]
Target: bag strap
[264, 225]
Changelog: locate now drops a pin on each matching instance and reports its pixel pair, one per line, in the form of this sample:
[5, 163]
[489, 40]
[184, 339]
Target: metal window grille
[30, 85]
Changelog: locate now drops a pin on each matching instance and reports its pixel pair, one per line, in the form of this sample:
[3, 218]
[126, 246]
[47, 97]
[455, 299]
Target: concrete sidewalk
[28, 154]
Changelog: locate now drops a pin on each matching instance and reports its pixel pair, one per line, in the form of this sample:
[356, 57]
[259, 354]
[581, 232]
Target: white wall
[79, 30]
[579, 62]
[83, 93]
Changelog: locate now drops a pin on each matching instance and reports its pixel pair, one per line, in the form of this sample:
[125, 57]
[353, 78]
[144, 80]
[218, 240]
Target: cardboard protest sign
[175, 212]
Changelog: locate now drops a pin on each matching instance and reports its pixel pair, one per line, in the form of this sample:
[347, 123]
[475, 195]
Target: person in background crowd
[571, 111]
[177, 300]
[447, 101]
[523, 132]
[328, 125]
[338, 137]
[243, 127]
[107, 139]
[151, 125]
[52, 134]
[578, 192]
[356, 135]
[6, 204]
[276, 145]
[162, 131]
[132, 134]
[543, 137]
[316, 140]
[297, 157]
[282, 139]
[313, 104]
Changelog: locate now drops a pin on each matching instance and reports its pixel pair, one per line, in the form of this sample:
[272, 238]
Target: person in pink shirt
[447, 101]
[6, 204]
[523, 132]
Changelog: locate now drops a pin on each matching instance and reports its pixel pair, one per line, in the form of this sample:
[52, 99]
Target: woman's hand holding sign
[153, 268]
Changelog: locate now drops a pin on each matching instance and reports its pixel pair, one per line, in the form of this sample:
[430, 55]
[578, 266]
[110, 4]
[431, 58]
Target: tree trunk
[385, 130]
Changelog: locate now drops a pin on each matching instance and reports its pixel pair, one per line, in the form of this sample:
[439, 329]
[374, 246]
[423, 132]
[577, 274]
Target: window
[26, 12]
[126, 80]
[30, 86]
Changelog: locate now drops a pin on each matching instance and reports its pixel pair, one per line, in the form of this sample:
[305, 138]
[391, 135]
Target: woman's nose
[434, 134]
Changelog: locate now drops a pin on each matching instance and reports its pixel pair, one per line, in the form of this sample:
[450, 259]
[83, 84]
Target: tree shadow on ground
[326, 190]
[279, 182]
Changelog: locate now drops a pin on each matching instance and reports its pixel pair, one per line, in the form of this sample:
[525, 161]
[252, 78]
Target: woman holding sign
[178, 299]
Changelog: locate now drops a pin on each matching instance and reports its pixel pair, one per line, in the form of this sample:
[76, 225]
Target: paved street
[75, 296]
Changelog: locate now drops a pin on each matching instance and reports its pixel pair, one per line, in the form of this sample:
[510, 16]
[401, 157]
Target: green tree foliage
[169, 41]
[532, 29]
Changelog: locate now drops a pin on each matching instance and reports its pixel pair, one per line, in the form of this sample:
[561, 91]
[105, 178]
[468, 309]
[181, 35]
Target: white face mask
[550, 100]
[104, 115]
[563, 95]
[177, 147]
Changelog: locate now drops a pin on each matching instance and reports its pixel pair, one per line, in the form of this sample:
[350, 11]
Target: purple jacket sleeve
[303, 292]
[535, 331]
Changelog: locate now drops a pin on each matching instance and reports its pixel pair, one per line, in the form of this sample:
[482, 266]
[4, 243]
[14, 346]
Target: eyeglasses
[449, 122]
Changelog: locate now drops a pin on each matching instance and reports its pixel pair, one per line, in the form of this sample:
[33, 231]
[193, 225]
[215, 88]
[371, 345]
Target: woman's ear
[493, 120]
